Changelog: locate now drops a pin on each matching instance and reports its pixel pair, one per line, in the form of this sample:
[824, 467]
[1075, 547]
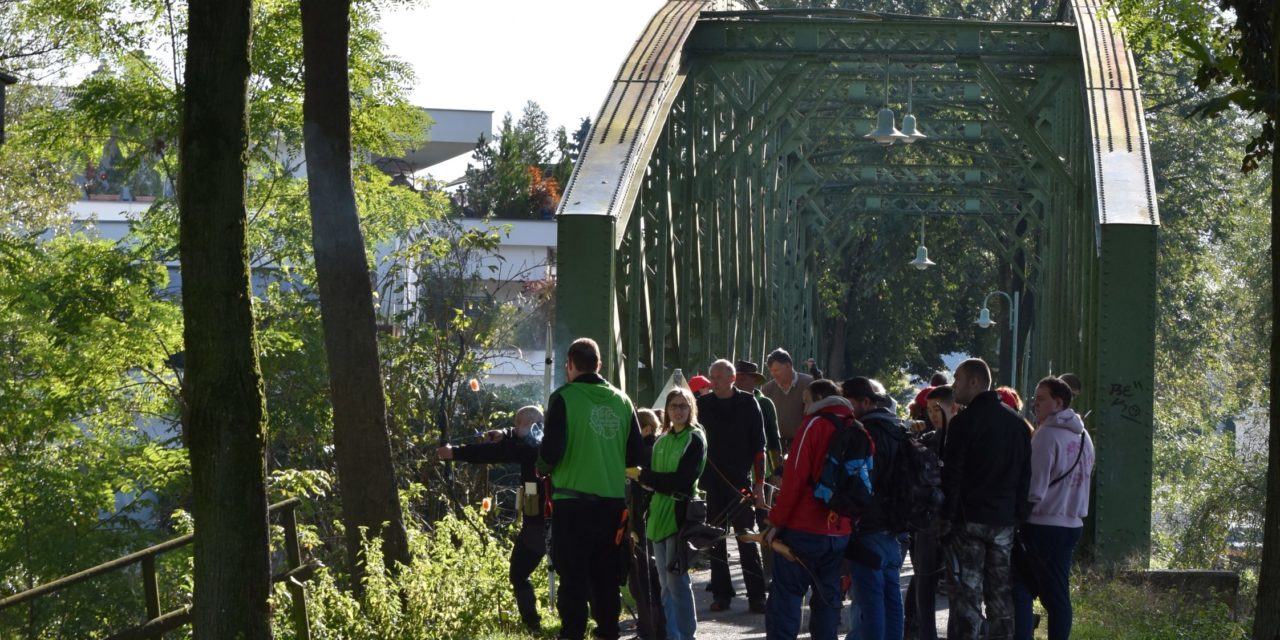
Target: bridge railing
[158, 623]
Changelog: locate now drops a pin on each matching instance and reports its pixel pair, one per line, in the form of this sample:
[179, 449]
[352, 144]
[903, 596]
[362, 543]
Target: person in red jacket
[816, 536]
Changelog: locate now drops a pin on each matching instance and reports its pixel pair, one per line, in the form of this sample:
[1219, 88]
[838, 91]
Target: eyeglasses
[682, 405]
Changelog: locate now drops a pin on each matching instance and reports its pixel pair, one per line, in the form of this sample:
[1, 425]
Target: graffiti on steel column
[1125, 398]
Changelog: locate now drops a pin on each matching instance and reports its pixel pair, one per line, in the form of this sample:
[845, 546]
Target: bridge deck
[740, 624]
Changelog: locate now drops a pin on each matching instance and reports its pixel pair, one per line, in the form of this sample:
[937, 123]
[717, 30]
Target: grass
[1113, 610]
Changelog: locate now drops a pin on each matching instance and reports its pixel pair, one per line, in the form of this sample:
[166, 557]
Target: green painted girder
[764, 35]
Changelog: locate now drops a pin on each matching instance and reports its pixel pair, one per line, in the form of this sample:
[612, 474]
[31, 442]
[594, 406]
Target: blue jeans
[1054, 546]
[820, 555]
[677, 593]
[877, 589]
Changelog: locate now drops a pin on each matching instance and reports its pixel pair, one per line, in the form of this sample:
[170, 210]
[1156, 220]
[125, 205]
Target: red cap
[1009, 397]
[922, 398]
[698, 383]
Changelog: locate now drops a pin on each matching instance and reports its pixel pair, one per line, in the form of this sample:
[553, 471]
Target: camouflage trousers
[977, 556]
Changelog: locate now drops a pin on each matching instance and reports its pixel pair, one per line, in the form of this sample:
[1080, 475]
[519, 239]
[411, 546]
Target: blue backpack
[845, 482]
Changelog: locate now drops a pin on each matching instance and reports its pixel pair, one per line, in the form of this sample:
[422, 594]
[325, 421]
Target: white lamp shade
[984, 318]
[909, 129]
[922, 260]
[885, 132]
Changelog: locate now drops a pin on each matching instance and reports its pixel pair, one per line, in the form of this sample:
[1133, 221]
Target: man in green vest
[591, 436]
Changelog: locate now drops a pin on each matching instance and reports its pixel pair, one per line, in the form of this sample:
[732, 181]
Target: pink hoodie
[1054, 449]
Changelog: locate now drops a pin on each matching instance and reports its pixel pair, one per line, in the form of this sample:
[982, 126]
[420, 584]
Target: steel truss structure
[732, 144]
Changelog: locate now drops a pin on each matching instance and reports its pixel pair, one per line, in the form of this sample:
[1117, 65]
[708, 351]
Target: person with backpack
[874, 549]
[1061, 465]
[679, 456]
[986, 474]
[806, 526]
[926, 556]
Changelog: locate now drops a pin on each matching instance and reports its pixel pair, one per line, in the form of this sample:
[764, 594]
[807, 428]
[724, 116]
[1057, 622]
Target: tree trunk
[361, 444]
[223, 389]
[1266, 621]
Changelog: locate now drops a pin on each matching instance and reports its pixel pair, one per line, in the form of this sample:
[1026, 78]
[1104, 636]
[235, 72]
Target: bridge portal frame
[688, 228]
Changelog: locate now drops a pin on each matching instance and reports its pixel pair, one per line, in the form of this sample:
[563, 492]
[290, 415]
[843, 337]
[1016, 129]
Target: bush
[456, 588]
[1108, 609]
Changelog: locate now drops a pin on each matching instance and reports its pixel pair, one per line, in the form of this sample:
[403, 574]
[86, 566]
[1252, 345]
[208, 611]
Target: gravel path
[739, 624]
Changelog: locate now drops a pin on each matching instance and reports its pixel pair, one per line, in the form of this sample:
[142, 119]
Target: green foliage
[39, 38]
[456, 323]
[515, 173]
[456, 587]
[1213, 324]
[87, 466]
[1109, 609]
[883, 317]
[34, 190]
[1208, 504]
[1231, 43]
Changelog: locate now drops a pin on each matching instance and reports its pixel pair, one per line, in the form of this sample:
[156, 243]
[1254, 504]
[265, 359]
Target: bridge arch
[733, 136]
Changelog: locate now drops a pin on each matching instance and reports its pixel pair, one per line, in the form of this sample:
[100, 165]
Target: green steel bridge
[733, 140]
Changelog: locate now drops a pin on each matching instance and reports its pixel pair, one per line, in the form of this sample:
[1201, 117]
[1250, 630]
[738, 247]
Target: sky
[495, 55]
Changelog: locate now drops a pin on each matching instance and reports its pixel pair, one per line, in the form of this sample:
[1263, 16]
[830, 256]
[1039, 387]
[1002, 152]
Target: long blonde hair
[679, 392]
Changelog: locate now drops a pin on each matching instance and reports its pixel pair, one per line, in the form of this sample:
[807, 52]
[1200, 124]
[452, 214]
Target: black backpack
[845, 482]
[912, 496]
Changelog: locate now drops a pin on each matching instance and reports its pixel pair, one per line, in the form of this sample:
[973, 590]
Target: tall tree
[1243, 55]
[370, 502]
[518, 174]
[225, 402]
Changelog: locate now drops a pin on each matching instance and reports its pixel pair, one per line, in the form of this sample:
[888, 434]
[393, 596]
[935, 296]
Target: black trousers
[586, 551]
[526, 555]
[920, 602]
[722, 503]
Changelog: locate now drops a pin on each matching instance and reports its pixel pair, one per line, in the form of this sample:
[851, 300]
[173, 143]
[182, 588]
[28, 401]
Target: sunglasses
[682, 405]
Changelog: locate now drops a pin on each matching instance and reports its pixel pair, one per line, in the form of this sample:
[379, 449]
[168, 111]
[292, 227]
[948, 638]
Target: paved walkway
[739, 624]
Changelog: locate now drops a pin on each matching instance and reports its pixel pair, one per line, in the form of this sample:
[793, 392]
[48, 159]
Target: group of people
[626, 483]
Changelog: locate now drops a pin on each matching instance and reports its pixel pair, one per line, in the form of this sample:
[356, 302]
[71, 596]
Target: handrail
[156, 622]
[118, 563]
[92, 572]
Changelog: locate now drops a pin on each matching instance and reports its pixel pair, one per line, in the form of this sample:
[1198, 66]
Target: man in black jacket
[985, 475]
[518, 445]
[734, 425]
[874, 549]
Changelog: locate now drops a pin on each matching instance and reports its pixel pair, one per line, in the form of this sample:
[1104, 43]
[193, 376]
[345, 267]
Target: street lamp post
[985, 321]
[5, 81]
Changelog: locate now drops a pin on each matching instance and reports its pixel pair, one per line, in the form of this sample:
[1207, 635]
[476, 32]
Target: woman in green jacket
[678, 458]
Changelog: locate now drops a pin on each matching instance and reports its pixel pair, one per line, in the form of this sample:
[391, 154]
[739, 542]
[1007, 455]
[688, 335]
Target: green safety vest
[598, 423]
[667, 452]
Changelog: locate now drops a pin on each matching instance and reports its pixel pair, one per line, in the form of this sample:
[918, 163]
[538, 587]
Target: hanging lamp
[922, 260]
[886, 133]
[909, 121]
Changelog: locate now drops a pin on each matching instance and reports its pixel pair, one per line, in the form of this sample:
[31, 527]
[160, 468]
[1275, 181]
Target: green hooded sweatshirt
[595, 456]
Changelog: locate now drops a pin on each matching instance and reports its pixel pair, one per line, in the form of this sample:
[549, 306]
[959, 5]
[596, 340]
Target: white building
[524, 256]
